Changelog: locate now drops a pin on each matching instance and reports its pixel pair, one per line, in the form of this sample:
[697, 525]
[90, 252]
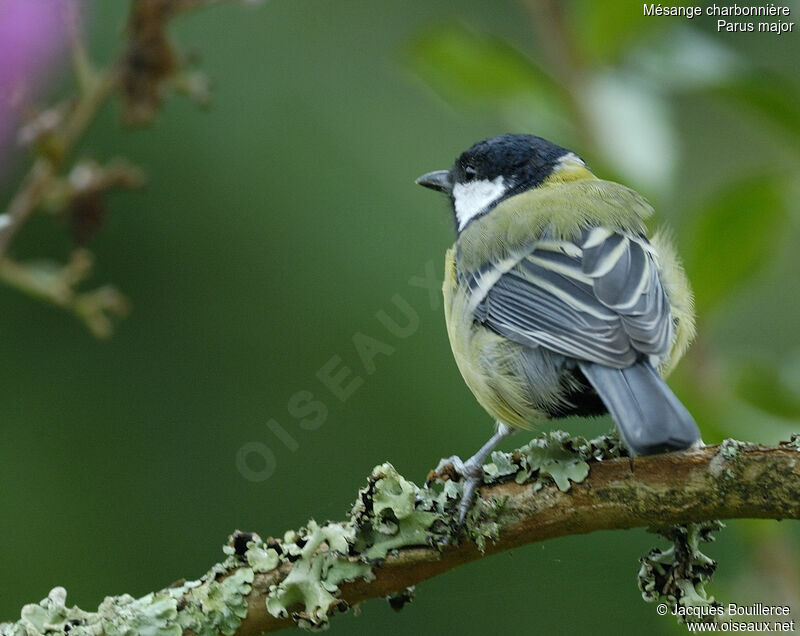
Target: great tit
[557, 302]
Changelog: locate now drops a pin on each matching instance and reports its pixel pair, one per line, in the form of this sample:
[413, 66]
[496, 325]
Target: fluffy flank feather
[681, 299]
[493, 367]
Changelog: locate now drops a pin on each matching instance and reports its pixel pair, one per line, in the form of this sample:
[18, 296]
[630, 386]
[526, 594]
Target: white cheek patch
[570, 159]
[470, 199]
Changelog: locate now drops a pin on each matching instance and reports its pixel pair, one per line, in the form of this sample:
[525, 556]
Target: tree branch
[398, 533]
[145, 65]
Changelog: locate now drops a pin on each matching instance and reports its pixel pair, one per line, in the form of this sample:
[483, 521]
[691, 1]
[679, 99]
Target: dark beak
[439, 180]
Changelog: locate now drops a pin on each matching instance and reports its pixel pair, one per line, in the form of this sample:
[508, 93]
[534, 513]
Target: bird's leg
[471, 470]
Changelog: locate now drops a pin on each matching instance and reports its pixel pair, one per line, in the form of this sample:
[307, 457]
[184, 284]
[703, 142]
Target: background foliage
[276, 225]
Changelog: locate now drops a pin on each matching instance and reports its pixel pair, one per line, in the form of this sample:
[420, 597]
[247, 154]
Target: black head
[526, 160]
[495, 169]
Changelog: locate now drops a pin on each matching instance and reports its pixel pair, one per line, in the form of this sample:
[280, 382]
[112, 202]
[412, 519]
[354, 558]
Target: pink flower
[33, 34]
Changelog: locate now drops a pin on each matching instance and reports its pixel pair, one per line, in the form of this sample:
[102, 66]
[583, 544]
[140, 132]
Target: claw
[472, 480]
[447, 462]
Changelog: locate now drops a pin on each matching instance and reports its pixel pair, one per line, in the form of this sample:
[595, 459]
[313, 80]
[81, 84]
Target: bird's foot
[470, 473]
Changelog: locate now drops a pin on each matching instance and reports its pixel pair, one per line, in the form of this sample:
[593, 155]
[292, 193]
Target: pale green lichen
[558, 456]
[608, 446]
[314, 580]
[556, 462]
[727, 454]
[262, 559]
[793, 442]
[501, 465]
[450, 494]
[215, 604]
[730, 448]
[483, 521]
[250, 548]
[50, 615]
[441, 496]
[151, 615]
[390, 513]
[678, 575]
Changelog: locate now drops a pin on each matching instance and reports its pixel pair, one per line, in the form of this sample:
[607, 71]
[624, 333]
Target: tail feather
[649, 417]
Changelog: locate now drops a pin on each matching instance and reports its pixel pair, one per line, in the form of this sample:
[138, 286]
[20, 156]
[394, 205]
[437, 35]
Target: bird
[558, 301]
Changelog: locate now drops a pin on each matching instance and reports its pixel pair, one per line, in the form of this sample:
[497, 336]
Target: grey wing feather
[630, 286]
[597, 299]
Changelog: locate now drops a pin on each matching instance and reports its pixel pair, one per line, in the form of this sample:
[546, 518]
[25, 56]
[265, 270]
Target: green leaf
[734, 236]
[606, 29]
[463, 65]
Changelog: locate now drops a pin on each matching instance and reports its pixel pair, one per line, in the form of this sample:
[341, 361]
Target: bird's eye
[470, 173]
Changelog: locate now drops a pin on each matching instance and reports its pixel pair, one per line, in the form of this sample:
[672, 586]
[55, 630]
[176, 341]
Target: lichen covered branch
[399, 534]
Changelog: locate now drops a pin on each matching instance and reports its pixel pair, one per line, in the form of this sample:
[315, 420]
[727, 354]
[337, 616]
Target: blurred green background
[277, 224]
